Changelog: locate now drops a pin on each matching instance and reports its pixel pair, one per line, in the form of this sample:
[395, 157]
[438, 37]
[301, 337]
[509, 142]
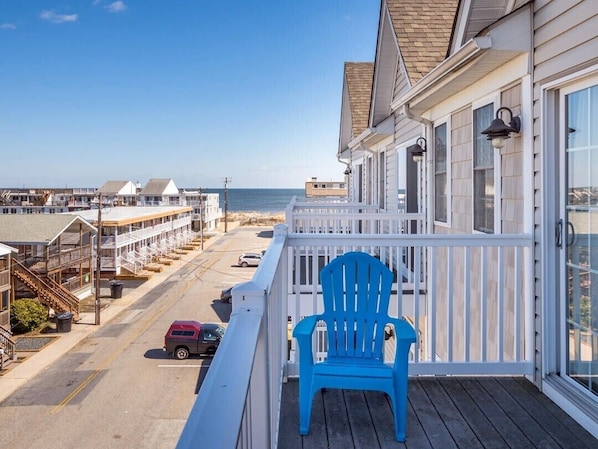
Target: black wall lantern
[347, 171]
[418, 149]
[498, 131]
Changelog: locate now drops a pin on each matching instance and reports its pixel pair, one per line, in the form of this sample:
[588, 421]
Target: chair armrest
[305, 327]
[303, 333]
[405, 336]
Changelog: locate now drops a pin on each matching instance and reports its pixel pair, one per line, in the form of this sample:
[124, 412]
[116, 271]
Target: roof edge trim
[472, 48]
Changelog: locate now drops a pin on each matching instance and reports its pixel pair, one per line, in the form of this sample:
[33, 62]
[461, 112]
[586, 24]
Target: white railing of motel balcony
[150, 231]
[469, 298]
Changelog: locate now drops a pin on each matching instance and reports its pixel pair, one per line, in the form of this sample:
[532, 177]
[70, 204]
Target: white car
[249, 260]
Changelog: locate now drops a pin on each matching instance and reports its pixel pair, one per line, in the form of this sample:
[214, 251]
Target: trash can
[116, 290]
[63, 322]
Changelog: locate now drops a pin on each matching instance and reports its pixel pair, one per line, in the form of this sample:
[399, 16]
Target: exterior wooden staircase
[48, 291]
[8, 346]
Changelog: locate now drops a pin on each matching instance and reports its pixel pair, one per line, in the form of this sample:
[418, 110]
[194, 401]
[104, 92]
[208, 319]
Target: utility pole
[201, 217]
[226, 181]
[98, 261]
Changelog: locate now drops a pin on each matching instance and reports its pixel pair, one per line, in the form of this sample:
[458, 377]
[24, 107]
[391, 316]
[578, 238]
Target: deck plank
[362, 428]
[455, 423]
[289, 417]
[337, 421]
[443, 412]
[476, 420]
[426, 413]
[383, 420]
[575, 434]
[507, 429]
[526, 423]
[546, 420]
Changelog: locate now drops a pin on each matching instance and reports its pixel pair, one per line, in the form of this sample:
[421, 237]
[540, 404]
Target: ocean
[258, 200]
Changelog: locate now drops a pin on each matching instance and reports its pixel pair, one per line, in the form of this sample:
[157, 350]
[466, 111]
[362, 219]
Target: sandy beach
[255, 218]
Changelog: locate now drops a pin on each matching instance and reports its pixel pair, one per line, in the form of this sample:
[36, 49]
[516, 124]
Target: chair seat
[379, 370]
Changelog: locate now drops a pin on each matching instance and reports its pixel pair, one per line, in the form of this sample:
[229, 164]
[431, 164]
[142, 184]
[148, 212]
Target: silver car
[249, 260]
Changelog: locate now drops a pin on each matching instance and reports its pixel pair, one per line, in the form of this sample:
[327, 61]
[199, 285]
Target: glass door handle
[558, 234]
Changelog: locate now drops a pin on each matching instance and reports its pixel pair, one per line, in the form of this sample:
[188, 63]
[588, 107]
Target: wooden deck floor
[443, 413]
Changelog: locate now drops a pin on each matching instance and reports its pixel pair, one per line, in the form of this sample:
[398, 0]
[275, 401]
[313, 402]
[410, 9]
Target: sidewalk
[20, 372]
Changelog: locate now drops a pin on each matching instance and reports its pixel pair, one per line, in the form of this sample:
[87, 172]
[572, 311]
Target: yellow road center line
[118, 352]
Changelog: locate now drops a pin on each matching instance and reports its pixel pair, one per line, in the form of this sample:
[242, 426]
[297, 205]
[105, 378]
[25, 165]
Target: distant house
[159, 192]
[118, 193]
[325, 189]
[53, 260]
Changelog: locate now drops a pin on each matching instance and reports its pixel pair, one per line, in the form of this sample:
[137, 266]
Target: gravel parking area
[33, 343]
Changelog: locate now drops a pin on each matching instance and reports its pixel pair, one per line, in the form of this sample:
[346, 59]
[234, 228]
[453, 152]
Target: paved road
[117, 388]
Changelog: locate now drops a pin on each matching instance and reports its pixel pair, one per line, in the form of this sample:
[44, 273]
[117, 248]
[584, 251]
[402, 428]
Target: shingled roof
[42, 229]
[112, 187]
[423, 29]
[359, 76]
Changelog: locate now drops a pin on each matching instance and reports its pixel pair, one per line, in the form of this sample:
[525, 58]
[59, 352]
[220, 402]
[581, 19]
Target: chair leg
[400, 408]
[305, 405]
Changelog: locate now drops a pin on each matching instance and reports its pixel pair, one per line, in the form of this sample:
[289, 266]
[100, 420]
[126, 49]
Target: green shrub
[27, 315]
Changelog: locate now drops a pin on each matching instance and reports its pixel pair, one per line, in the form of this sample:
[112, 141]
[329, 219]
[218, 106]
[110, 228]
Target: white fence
[468, 296]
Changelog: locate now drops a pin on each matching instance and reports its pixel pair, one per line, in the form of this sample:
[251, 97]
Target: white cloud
[117, 6]
[7, 26]
[51, 16]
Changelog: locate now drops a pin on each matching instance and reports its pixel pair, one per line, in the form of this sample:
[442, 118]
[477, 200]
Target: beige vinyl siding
[391, 180]
[511, 171]
[564, 35]
[565, 42]
[461, 173]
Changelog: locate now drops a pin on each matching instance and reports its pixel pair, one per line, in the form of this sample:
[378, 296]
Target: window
[5, 304]
[483, 172]
[440, 173]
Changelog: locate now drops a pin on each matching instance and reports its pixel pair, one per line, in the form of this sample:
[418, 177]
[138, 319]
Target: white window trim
[449, 195]
[495, 100]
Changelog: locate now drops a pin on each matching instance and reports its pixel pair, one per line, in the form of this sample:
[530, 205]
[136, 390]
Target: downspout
[429, 161]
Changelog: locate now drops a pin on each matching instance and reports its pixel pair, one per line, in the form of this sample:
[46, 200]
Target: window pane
[440, 177]
[483, 151]
[484, 200]
[440, 198]
[483, 165]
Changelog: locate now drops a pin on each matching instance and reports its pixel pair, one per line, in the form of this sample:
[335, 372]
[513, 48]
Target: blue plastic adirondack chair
[356, 291]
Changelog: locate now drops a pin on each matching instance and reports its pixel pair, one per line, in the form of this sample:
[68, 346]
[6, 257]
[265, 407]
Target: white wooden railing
[244, 382]
[468, 296]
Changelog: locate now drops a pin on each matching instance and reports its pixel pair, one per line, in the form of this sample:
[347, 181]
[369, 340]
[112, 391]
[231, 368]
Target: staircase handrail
[7, 343]
[61, 298]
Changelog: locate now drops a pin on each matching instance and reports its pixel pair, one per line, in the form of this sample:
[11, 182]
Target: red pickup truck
[186, 337]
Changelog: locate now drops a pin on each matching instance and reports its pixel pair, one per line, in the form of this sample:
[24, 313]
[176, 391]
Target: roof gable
[160, 187]
[355, 103]
[423, 30]
[359, 78]
[473, 16]
[113, 188]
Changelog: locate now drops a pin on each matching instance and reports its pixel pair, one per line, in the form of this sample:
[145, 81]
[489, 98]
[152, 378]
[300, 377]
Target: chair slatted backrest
[356, 291]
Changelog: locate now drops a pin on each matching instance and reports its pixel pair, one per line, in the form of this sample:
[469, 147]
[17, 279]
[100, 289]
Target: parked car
[249, 260]
[185, 337]
[226, 295]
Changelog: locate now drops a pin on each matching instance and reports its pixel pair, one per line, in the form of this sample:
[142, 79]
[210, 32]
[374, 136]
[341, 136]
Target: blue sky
[193, 90]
